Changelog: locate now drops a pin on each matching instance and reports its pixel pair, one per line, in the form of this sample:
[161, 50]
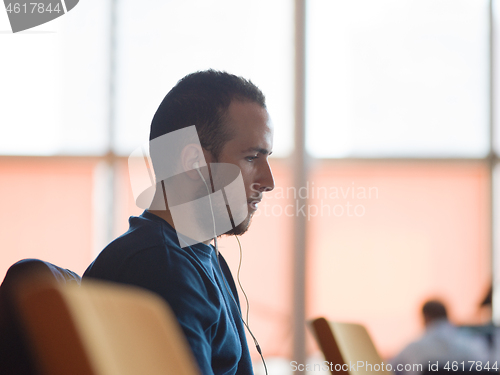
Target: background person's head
[433, 311]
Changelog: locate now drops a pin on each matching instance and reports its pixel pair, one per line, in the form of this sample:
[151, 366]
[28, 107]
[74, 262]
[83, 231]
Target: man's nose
[267, 179]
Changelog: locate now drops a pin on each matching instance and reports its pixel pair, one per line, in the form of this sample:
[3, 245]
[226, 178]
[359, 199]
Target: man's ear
[191, 154]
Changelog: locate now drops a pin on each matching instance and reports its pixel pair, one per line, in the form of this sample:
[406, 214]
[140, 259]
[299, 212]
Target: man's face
[249, 149]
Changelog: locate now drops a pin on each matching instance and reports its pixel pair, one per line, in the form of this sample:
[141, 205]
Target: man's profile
[233, 127]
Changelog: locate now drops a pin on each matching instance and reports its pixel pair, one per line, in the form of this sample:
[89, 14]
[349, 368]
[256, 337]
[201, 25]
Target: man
[441, 343]
[233, 126]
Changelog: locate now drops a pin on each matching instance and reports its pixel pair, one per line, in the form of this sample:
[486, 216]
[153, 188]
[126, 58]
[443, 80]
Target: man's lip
[254, 203]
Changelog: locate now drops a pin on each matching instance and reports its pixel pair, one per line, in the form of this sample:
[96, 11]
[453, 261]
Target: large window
[54, 91]
[397, 78]
[164, 42]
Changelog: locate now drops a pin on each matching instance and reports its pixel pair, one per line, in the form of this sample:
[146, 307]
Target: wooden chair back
[348, 348]
[102, 329]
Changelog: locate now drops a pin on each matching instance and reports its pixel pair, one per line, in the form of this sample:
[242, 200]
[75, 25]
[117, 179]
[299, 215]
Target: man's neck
[167, 216]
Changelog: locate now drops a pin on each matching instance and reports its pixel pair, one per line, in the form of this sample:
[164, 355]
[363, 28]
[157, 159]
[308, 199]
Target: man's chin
[240, 228]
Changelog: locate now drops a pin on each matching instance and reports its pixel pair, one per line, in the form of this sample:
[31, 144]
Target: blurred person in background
[440, 343]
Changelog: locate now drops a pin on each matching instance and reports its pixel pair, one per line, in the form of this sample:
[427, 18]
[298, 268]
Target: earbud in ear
[196, 165]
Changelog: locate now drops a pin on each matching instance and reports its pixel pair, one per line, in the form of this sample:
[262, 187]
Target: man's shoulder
[150, 250]
[146, 238]
[149, 256]
[144, 233]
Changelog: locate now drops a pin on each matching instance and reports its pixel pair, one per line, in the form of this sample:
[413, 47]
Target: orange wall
[423, 232]
[46, 211]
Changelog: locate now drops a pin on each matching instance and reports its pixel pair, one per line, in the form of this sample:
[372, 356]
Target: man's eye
[251, 158]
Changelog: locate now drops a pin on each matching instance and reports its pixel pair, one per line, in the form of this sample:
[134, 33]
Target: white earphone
[196, 165]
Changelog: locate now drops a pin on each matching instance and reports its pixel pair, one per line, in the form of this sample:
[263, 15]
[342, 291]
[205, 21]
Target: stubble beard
[241, 228]
[237, 230]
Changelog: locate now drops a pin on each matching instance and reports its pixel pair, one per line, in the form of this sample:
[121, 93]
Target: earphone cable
[257, 346]
[211, 211]
[256, 343]
[239, 281]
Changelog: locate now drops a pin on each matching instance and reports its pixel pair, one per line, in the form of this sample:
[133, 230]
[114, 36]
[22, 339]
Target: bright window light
[394, 78]
[159, 46]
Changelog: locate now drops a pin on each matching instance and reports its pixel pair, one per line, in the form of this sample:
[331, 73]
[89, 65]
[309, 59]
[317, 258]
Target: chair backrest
[15, 355]
[348, 348]
[103, 329]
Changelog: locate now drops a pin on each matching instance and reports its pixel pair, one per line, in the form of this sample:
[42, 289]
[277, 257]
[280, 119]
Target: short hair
[202, 99]
[434, 310]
